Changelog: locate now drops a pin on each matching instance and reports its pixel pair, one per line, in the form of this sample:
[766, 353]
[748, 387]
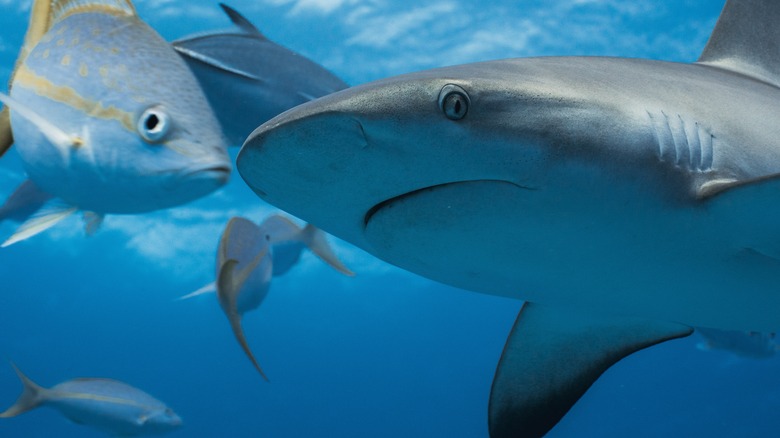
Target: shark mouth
[431, 191]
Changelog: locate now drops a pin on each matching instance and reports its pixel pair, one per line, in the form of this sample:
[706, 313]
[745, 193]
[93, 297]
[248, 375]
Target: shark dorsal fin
[746, 40]
[60, 9]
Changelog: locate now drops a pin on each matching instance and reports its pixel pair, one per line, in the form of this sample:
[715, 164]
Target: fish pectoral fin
[229, 283]
[55, 135]
[207, 289]
[24, 202]
[552, 356]
[49, 215]
[6, 136]
[241, 22]
[314, 238]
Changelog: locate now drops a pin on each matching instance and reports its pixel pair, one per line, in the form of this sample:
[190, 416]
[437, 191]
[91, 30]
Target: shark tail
[32, 396]
[315, 240]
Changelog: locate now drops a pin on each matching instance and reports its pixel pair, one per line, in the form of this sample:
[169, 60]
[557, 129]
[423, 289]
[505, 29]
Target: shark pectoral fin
[240, 21]
[53, 212]
[32, 396]
[745, 40]
[207, 289]
[314, 238]
[55, 135]
[552, 356]
[229, 283]
[6, 136]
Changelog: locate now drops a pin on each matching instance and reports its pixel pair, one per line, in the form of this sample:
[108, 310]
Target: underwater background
[383, 354]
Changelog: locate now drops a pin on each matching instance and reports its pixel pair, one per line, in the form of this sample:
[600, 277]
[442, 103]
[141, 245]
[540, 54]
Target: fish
[752, 345]
[288, 241]
[248, 78]
[249, 255]
[108, 405]
[106, 117]
[624, 200]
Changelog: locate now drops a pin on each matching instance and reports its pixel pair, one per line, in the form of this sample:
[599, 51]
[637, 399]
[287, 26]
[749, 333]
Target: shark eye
[454, 102]
[153, 125]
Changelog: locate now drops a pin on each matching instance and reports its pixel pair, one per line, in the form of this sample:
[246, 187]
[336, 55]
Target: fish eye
[153, 124]
[454, 102]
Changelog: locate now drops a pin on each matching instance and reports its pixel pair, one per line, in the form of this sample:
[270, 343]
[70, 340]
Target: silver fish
[107, 117]
[108, 405]
[753, 345]
[247, 260]
[626, 200]
[248, 78]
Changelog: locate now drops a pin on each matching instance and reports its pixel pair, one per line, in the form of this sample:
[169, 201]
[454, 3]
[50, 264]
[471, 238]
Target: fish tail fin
[229, 284]
[32, 396]
[315, 240]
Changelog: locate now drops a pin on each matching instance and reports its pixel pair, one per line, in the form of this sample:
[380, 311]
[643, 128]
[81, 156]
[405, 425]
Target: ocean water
[383, 354]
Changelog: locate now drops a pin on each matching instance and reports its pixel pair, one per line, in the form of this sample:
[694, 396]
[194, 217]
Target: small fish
[754, 345]
[288, 241]
[106, 117]
[248, 78]
[108, 405]
[244, 270]
[247, 260]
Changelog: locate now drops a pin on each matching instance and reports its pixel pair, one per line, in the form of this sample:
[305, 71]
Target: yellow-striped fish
[107, 117]
[108, 405]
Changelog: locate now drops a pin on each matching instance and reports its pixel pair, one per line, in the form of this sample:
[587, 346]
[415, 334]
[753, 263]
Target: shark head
[532, 178]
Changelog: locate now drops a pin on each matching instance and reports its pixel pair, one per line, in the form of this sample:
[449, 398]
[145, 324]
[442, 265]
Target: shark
[624, 200]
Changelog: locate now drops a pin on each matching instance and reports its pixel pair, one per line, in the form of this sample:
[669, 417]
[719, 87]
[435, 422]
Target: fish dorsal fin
[241, 21]
[746, 40]
[60, 9]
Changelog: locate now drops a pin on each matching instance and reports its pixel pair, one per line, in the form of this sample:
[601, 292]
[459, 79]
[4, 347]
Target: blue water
[384, 354]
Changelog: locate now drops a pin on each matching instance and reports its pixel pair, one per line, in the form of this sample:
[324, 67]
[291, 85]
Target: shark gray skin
[248, 79]
[625, 200]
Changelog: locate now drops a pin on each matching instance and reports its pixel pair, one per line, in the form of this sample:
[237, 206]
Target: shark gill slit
[684, 144]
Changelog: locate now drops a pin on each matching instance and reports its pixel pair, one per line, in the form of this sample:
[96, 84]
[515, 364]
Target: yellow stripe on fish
[99, 398]
[68, 96]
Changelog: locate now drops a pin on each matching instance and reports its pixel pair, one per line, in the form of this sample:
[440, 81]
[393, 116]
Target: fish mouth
[218, 172]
